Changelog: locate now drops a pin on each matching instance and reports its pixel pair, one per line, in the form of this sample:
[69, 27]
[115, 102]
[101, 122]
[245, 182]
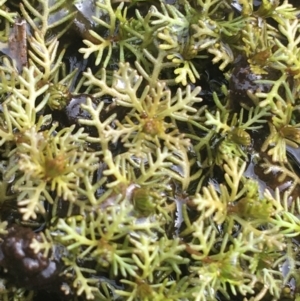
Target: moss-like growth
[149, 150]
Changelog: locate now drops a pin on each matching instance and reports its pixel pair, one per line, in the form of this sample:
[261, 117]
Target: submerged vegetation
[149, 150]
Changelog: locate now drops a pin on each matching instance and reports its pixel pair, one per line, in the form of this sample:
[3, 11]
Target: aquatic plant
[149, 150]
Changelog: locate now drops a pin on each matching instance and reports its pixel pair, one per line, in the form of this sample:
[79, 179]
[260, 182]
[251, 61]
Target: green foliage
[5, 13]
[154, 149]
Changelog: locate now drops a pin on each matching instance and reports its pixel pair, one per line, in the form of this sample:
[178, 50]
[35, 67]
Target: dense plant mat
[149, 150]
